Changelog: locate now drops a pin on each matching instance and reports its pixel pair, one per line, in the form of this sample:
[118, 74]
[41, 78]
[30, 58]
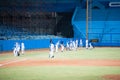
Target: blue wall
[7, 45]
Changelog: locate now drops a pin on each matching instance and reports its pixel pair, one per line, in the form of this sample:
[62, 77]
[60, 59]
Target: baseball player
[91, 47]
[81, 43]
[62, 46]
[86, 44]
[16, 49]
[76, 44]
[22, 48]
[71, 45]
[51, 53]
[67, 46]
[56, 46]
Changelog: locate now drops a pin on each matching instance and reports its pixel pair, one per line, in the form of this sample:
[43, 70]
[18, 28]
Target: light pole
[87, 20]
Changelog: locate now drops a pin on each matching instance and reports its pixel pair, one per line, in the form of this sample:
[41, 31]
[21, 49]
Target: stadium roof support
[87, 20]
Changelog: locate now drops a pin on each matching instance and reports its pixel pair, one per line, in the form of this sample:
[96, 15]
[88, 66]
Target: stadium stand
[41, 20]
[13, 33]
[103, 26]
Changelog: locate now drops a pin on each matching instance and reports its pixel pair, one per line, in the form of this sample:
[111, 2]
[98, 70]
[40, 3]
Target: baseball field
[102, 63]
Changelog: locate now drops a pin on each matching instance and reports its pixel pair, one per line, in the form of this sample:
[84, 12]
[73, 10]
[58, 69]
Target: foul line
[13, 62]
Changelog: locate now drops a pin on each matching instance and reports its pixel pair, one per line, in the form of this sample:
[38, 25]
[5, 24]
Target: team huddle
[69, 46]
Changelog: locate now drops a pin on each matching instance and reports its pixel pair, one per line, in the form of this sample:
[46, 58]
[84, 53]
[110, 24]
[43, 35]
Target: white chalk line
[13, 62]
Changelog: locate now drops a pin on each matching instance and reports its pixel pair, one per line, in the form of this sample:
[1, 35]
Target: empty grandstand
[103, 22]
[58, 19]
[34, 19]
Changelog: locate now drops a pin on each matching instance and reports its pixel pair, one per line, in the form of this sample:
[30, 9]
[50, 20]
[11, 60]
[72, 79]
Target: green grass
[62, 72]
[57, 73]
[97, 53]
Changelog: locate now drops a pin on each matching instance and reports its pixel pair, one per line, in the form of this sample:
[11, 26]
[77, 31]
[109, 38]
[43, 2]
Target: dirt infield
[58, 62]
[65, 62]
[112, 77]
[62, 62]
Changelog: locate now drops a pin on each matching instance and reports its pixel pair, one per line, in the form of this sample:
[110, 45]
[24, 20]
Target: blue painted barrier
[8, 45]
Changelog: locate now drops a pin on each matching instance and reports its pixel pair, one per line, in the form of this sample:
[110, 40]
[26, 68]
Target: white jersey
[51, 50]
[81, 43]
[71, 45]
[22, 46]
[76, 43]
[51, 47]
[15, 51]
[74, 46]
[86, 44]
[67, 45]
[90, 45]
[62, 47]
[18, 47]
[56, 46]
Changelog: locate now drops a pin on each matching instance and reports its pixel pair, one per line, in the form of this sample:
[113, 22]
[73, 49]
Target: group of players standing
[18, 48]
[70, 45]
